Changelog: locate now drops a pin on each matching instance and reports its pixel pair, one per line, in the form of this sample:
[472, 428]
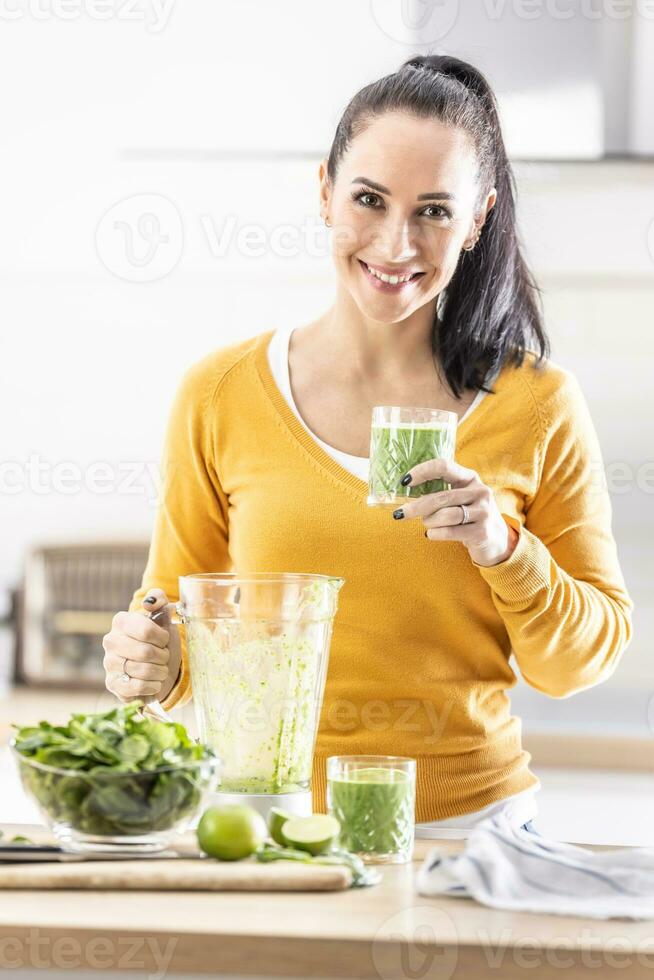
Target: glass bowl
[118, 812]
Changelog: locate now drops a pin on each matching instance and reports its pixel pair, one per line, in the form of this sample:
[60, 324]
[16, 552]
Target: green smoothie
[395, 449]
[254, 690]
[375, 808]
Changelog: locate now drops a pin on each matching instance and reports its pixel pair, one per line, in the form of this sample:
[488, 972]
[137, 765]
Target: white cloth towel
[510, 867]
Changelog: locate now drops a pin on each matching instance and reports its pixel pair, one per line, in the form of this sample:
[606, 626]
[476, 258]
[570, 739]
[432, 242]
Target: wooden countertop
[383, 931]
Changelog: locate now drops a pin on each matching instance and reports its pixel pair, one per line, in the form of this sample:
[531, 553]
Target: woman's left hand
[486, 535]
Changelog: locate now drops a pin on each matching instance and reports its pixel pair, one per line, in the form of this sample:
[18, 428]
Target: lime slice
[276, 820]
[314, 834]
[231, 832]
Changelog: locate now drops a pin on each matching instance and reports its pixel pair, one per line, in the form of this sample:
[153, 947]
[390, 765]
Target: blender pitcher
[258, 647]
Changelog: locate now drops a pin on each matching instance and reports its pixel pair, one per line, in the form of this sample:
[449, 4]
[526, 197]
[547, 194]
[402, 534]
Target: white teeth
[393, 280]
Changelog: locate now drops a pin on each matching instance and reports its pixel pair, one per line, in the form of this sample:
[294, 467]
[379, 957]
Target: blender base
[299, 804]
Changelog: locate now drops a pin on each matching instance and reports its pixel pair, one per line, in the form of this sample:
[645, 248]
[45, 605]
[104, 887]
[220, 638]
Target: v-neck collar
[309, 444]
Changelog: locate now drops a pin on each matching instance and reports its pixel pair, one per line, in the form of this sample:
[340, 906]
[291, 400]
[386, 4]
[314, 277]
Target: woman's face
[402, 205]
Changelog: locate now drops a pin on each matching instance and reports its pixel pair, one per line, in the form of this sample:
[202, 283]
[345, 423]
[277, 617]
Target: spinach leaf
[113, 773]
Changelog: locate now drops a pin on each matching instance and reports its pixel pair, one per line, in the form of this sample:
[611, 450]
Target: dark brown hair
[489, 314]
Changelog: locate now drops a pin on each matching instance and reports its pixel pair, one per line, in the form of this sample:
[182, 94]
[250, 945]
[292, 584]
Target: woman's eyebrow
[421, 197]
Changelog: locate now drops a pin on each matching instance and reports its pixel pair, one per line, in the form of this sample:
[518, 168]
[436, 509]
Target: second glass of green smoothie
[373, 799]
[400, 438]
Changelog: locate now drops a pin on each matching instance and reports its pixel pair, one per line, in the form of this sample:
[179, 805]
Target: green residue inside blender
[255, 689]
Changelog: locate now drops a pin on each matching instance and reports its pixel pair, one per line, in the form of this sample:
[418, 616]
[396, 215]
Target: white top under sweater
[278, 361]
[520, 807]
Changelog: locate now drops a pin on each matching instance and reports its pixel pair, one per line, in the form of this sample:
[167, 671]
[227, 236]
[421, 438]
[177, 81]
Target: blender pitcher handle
[153, 707]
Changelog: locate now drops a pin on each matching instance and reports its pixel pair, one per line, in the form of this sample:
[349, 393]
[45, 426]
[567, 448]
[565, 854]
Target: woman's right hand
[150, 653]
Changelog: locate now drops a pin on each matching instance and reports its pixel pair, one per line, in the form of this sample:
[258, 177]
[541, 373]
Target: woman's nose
[396, 240]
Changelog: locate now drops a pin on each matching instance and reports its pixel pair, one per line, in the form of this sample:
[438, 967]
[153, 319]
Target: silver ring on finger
[125, 676]
[465, 514]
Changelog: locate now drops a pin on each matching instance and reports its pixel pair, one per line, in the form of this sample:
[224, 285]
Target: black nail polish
[398, 514]
[406, 480]
[151, 599]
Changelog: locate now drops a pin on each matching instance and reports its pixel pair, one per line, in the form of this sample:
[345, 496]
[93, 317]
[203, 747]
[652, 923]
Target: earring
[327, 222]
[469, 248]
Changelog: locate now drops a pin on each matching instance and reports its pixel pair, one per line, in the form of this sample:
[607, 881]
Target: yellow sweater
[422, 641]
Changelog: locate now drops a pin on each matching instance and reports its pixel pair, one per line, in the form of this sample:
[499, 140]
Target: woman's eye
[440, 212]
[366, 197]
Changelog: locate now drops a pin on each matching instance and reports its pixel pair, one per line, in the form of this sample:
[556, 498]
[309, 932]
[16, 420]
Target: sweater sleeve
[191, 525]
[561, 593]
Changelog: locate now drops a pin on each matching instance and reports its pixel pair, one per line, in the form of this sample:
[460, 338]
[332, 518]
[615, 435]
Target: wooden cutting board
[178, 874]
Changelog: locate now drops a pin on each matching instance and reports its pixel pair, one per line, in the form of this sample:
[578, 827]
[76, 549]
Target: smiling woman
[434, 124]
[267, 441]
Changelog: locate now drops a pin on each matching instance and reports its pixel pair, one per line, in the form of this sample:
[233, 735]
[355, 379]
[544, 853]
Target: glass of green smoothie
[399, 439]
[373, 799]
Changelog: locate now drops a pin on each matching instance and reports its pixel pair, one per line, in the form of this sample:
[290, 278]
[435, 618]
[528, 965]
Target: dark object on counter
[22, 853]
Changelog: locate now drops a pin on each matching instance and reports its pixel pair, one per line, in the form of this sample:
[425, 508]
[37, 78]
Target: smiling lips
[386, 279]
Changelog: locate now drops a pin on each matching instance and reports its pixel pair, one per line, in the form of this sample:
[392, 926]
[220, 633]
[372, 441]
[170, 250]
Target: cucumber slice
[276, 820]
[314, 834]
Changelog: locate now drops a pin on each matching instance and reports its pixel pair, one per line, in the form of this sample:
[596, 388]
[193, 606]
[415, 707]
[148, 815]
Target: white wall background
[207, 131]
